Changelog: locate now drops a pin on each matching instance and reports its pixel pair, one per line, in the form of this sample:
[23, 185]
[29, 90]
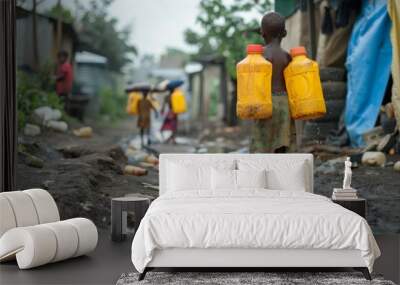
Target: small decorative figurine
[347, 174]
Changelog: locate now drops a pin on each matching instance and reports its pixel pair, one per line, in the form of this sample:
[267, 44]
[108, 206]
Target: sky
[156, 24]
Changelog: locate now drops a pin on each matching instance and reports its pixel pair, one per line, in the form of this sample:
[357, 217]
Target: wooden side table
[358, 206]
[119, 212]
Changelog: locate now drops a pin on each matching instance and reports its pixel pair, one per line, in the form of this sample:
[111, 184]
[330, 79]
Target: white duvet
[250, 219]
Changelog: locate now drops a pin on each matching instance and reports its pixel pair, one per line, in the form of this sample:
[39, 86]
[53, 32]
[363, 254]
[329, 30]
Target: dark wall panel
[8, 104]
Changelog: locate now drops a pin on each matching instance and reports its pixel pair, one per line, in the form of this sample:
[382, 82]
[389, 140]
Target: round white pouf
[40, 244]
[7, 218]
[67, 240]
[32, 246]
[87, 233]
[23, 208]
[45, 205]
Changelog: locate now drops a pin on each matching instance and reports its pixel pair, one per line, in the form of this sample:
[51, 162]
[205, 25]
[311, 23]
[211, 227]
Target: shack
[357, 46]
[46, 39]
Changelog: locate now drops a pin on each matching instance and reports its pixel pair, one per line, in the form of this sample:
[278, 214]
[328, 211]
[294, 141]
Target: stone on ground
[46, 114]
[396, 166]
[58, 126]
[31, 130]
[331, 166]
[374, 158]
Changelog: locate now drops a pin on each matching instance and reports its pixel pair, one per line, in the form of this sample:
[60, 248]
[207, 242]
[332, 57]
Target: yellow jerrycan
[133, 100]
[303, 85]
[254, 74]
[178, 102]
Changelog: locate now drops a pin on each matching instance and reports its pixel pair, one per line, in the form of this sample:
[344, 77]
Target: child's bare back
[279, 59]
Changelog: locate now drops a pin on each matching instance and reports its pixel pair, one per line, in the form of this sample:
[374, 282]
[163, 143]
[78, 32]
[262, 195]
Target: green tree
[99, 33]
[59, 11]
[225, 29]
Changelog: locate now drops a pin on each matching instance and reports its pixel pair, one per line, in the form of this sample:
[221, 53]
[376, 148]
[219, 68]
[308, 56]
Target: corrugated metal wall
[24, 41]
[93, 78]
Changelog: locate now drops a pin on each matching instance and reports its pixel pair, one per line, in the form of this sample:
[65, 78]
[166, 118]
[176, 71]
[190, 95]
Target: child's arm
[155, 110]
[163, 105]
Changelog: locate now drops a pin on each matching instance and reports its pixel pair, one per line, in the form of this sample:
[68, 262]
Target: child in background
[64, 78]
[276, 134]
[171, 119]
[144, 117]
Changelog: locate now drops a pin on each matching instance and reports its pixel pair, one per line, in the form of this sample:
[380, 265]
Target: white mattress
[253, 219]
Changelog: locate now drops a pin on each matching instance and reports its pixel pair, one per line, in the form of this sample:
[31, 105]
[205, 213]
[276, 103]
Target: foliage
[62, 12]
[225, 30]
[214, 98]
[112, 105]
[34, 91]
[99, 33]
[54, 12]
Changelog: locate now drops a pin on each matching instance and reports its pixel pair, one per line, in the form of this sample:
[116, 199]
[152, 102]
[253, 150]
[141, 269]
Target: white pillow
[182, 177]
[223, 179]
[251, 178]
[287, 174]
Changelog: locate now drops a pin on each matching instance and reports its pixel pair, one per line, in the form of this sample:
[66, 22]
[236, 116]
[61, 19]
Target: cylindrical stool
[119, 208]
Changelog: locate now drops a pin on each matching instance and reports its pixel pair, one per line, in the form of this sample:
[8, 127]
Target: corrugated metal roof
[89, 57]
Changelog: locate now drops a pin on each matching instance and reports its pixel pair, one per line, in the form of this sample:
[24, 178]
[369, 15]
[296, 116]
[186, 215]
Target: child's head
[273, 27]
[62, 56]
[145, 93]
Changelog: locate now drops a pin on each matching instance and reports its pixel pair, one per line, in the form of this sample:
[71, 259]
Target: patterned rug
[243, 278]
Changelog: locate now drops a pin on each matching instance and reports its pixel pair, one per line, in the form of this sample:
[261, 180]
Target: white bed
[232, 226]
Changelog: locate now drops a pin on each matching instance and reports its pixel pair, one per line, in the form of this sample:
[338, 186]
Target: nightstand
[358, 206]
[119, 208]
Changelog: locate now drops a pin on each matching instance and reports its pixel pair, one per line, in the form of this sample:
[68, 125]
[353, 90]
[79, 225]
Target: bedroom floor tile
[110, 260]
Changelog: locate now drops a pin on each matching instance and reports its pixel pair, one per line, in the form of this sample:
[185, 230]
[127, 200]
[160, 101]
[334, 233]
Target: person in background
[171, 119]
[276, 134]
[144, 117]
[64, 77]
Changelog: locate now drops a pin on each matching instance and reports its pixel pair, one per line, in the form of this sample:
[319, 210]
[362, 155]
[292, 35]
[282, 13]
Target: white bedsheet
[250, 219]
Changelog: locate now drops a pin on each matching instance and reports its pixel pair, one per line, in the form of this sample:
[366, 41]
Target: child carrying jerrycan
[274, 131]
[292, 80]
[176, 104]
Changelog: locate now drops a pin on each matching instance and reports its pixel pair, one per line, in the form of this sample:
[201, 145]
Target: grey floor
[110, 260]
[104, 266]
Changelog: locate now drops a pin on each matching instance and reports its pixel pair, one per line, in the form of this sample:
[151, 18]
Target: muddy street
[83, 174]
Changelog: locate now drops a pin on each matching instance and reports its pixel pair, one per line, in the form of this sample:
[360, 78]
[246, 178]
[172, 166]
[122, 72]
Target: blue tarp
[369, 57]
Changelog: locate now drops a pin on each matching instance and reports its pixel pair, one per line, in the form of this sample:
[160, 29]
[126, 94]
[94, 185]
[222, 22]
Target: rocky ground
[83, 174]
[379, 185]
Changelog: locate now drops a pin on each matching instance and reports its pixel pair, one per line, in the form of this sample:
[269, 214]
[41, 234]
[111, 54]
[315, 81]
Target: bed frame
[237, 259]
[249, 259]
